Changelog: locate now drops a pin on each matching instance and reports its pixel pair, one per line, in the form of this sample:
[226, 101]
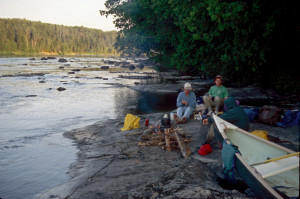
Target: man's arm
[179, 100]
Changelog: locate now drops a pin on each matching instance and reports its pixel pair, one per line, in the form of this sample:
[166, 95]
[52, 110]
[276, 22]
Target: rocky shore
[110, 163]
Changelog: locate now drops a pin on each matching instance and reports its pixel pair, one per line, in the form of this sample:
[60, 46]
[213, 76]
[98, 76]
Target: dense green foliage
[20, 35]
[245, 41]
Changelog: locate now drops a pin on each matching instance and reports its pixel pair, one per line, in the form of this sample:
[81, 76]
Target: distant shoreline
[41, 54]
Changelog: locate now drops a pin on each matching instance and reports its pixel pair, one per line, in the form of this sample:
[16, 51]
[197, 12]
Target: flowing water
[34, 156]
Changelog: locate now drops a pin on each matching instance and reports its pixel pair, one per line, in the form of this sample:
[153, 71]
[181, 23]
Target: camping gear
[269, 115]
[205, 149]
[261, 133]
[165, 122]
[171, 116]
[270, 170]
[290, 118]
[201, 107]
[252, 113]
[147, 122]
[199, 100]
[228, 152]
[131, 122]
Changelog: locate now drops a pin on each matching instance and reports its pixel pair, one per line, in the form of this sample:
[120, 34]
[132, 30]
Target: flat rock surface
[111, 164]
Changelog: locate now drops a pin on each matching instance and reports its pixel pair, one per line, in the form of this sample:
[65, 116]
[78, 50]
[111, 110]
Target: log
[167, 138]
[181, 145]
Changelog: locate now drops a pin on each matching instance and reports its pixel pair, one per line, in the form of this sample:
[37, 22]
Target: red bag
[205, 149]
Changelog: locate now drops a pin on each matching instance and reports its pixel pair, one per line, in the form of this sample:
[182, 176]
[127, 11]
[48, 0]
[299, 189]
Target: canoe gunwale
[250, 169]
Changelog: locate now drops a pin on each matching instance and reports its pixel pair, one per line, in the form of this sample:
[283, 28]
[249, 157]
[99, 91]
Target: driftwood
[181, 145]
[167, 138]
[170, 139]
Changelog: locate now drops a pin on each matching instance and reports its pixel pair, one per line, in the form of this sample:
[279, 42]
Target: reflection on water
[34, 156]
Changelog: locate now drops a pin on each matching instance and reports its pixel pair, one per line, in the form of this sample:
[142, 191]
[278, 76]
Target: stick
[136, 151]
[167, 138]
[181, 146]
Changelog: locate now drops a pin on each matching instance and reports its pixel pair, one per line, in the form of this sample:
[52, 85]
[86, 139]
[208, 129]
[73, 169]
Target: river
[34, 155]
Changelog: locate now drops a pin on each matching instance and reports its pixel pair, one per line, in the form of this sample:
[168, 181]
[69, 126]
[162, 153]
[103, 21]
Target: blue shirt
[191, 99]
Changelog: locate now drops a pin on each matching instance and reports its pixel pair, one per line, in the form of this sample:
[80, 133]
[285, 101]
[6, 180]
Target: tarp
[290, 118]
[131, 122]
[252, 113]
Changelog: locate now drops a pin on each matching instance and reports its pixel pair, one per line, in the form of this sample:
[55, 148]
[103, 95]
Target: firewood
[181, 145]
[167, 138]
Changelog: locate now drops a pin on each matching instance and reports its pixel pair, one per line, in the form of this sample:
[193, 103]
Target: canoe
[270, 170]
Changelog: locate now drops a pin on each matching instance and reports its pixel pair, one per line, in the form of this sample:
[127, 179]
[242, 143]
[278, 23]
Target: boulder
[61, 89]
[104, 67]
[62, 60]
[131, 67]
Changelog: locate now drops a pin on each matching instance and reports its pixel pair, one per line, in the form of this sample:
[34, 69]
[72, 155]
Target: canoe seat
[275, 167]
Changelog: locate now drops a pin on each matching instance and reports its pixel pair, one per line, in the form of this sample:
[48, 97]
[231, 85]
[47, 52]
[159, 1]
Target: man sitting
[186, 103]
[216, 95]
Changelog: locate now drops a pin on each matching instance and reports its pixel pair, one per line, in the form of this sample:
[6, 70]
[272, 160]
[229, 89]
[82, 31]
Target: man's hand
[205, 121]
[184, 102]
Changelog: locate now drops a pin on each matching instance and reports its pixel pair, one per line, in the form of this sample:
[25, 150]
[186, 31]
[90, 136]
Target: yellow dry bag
[261, 133]
[131, 122]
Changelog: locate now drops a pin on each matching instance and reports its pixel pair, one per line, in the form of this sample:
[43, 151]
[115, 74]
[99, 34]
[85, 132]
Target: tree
[245, 41]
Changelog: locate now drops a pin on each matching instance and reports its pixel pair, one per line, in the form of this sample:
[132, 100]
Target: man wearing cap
[216, 95]
[186, 103]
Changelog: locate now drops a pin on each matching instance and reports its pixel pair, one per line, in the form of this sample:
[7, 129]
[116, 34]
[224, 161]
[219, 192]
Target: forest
[247, 42]
[21, 36]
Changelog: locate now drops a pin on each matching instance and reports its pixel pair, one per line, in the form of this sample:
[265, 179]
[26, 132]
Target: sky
[62, 12]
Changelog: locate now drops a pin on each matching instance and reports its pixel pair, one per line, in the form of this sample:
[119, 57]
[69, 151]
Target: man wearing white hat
[186, 103]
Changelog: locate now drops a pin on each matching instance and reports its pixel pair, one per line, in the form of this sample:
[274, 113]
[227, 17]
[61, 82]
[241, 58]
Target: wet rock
[141, 66]
[117, 63]
[61, 89]
[31, 96]
[42, 82]
[131, 67]
[71, 72]
[32, 59]
[61, 67]
[30, 74]
[67, 64]
[104, 67]
[76, 70]
[105, 78]
[111, 62]
[51, 57]
[135, 77]
[44, 58]
[62, 60]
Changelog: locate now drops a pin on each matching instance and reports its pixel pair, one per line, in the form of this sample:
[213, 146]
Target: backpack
[269, 115]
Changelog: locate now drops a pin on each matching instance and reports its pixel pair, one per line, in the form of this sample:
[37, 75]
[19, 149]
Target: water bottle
[147, 122]
[172, 116]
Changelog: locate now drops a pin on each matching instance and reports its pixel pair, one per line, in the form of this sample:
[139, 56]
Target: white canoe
[263, 165]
